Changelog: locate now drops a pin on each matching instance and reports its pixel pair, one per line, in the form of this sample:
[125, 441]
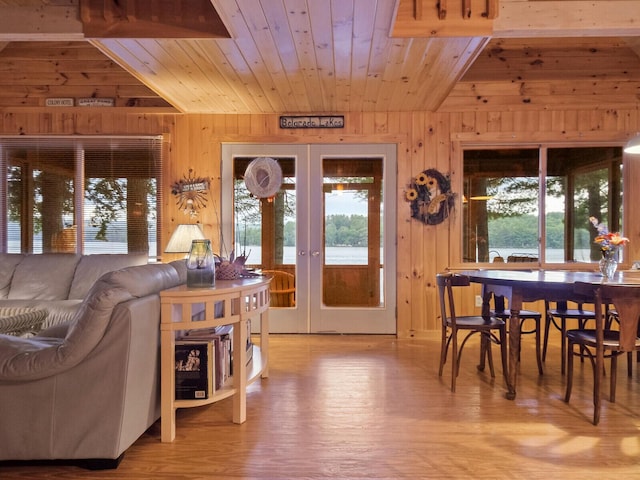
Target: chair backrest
[282, 288]
[626, 299]
[446, 282]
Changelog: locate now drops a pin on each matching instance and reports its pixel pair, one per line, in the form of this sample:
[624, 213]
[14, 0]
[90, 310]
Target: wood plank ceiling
[320, 56]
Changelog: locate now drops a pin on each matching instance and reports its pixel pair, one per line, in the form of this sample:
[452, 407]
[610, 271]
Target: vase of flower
[610, 244]
[609, 262]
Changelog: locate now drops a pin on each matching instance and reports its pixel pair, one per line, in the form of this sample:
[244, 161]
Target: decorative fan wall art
[191, 193]
[431, 197]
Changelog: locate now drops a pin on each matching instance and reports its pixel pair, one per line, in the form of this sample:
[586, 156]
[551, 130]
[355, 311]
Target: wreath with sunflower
[430, 196]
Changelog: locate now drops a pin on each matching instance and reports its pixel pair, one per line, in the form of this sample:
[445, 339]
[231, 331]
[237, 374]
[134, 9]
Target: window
[533, 205]
[77, 194]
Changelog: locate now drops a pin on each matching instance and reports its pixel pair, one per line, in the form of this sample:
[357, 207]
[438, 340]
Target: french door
[331, 227]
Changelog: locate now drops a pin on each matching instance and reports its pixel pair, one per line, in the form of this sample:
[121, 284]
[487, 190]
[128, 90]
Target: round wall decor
[430, 196]
[263, 177]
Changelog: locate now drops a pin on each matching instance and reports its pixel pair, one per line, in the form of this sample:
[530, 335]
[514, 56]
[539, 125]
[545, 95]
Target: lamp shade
[180, 241]
[633, 145]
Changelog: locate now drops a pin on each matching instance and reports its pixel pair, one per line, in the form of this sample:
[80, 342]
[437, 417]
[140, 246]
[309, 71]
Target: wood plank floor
[352, 407]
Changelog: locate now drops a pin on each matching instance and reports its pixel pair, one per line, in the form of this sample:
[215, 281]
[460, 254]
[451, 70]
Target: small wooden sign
[308, 121]
[59, 102]
[96, 102]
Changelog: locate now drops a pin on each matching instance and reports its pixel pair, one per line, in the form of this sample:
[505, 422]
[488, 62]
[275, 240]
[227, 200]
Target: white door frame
[309, 315]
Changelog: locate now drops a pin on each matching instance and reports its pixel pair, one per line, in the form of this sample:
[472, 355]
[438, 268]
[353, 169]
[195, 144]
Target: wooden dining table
[552, 285]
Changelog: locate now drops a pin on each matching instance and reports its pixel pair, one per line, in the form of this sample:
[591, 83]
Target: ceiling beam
[567, 18]
[44, 21]
[75, 20]
[156, 19]
[521, 19]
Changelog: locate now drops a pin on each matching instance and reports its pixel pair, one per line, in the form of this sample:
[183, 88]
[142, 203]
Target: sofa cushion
[92, 267]
[8, 262]
[44, 276]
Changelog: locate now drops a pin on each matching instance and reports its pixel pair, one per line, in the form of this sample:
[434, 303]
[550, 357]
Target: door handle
[301, 253]
[315, 253]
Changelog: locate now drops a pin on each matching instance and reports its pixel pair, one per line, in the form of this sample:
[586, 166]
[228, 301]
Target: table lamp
[180, 241]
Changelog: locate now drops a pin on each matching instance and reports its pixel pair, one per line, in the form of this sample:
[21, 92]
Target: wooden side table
[230, 302]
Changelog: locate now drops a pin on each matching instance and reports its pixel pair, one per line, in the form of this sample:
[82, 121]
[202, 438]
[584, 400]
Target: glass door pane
[353, 243]
[581, 182]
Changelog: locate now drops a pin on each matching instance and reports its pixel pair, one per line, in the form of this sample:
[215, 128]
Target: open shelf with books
[207, 353]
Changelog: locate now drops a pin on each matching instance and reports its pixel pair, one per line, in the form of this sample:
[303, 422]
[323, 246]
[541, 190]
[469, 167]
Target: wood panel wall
[425, 140]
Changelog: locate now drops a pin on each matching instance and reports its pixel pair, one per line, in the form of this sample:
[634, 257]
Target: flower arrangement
[430, 196]
[607, 240]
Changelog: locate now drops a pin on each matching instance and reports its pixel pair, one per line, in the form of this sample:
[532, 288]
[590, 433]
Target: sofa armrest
[59, 330]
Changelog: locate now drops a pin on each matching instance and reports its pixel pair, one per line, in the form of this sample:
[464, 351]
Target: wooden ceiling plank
[238, 92]
[321, 33]
[267, 56]
[538, 59]
[139, 63]
[396, 74]
[131, 12]
[453, 58]
[379, 55]
[342, 19]
[236, 67]
[544, 88]
[40, 22]
[155, 11]
[250, 52]
[364, 18]
[507, 103]
[278, 20]
[199, 91]
[409, 82]
[562, 18]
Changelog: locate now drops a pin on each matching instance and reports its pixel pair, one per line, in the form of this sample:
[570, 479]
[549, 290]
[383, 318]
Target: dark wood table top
[550, 278]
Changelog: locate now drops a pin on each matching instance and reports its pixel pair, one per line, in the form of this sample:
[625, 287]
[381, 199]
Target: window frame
[493, 141]
[81, 144]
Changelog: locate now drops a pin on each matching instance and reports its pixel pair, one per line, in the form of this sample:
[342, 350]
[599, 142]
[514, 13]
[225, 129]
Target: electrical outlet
[478, 300]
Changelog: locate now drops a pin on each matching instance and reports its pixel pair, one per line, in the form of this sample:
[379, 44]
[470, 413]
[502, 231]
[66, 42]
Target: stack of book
[211, 352]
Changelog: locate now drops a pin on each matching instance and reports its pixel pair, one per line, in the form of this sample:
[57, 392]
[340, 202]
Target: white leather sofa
[87, 389]
[56, 282]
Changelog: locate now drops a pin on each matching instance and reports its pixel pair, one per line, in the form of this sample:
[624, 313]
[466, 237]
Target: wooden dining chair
[602, 342]
[490, 329]
[526, 316]
[558, 317]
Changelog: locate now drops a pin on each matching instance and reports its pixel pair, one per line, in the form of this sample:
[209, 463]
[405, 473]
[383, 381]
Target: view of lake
[335, 255]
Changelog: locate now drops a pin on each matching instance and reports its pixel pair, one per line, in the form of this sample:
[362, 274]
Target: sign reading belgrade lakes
[317, 121]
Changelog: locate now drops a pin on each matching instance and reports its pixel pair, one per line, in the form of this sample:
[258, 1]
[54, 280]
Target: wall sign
[96, 102]
[318, 121]
[59, 102]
